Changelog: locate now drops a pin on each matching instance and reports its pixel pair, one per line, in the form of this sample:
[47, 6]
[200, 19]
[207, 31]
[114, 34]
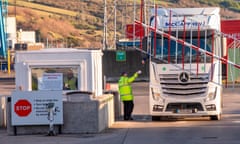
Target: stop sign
[22, 107]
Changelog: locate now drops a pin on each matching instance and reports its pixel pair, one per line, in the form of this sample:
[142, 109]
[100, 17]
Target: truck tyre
[215, 117]
[155, 118]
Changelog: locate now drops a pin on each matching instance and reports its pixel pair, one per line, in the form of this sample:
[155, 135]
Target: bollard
[108, 86]
[51, 109]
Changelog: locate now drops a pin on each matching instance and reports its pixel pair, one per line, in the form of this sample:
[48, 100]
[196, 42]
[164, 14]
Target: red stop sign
[23, 107]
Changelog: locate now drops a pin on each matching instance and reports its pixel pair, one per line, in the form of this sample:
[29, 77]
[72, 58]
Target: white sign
[51, 81]
[179, 22]
[30, 107]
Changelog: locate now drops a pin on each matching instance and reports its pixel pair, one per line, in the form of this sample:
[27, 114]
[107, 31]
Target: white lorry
[185, 78]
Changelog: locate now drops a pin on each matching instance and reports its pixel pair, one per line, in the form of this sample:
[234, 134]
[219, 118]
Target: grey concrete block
[85, 116]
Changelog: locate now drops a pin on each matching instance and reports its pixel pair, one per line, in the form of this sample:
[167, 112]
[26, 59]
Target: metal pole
[115, 23]
[155, 32]
[9, 62]
[105, 26]
[191, 46]
[198, 37]
[134, 25]
[184, 38]
[169, 34]
[141, 19]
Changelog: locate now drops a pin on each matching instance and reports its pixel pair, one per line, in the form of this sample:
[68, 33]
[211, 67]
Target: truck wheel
[215, 117]
[155, 118]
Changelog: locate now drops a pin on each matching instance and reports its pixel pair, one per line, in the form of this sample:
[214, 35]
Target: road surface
[144, 131]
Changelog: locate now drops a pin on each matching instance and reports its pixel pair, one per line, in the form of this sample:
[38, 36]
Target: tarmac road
[144, 131]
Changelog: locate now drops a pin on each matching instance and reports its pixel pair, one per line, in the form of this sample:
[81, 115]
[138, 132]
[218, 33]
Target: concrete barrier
[88, 116]
[83, 115]
[117, 103]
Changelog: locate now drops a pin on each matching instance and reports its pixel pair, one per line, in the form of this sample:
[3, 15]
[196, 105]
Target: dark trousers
[128, 109]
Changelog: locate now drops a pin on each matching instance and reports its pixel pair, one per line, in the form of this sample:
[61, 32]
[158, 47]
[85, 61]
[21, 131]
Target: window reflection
[178, 52]
[54, 78]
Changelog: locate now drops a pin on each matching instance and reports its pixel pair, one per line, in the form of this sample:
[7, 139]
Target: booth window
[54, 78]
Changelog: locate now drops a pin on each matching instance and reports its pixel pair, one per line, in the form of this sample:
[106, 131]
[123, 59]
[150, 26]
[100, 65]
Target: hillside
[61, 27]
[79, 23]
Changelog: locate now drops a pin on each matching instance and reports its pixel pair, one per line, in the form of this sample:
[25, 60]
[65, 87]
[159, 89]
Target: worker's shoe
[126, 118]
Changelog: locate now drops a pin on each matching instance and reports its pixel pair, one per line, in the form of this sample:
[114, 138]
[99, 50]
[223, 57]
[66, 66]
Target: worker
[34, 81]
[70, 82]
[126, 95]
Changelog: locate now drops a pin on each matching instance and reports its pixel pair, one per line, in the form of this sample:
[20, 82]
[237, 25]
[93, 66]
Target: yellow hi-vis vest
[72, 83]
[125, 88]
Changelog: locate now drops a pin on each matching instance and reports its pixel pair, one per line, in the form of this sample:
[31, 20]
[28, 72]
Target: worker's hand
[139, 72]
[66, 85]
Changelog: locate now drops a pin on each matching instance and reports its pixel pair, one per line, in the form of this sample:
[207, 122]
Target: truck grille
[171, 86]
[184, 106]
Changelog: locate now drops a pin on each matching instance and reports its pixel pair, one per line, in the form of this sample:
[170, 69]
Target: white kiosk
[69, 78]
[86, 66]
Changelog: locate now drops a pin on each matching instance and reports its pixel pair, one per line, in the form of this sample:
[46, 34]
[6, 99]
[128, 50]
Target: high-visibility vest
[125, 88]
[72, 83]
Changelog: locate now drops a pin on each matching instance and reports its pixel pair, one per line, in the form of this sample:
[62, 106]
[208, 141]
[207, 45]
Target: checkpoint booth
[68, 79]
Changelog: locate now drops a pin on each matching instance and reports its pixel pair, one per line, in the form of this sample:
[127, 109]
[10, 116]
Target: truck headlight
[156, 96]
[211, 107]
[212, 95]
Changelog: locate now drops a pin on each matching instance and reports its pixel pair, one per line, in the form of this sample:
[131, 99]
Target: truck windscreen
[180, 52]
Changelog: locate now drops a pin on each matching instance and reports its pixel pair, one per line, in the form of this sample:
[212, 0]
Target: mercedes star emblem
[183, 77]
